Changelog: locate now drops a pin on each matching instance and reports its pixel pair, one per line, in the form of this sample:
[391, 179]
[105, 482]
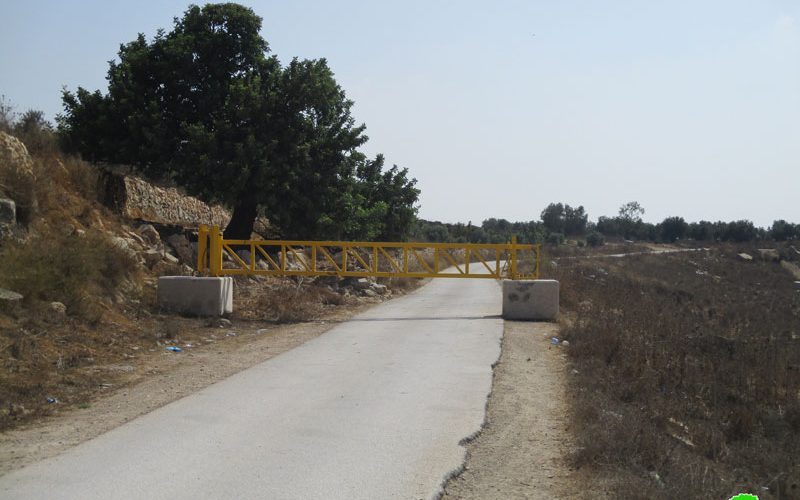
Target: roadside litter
[174, 348]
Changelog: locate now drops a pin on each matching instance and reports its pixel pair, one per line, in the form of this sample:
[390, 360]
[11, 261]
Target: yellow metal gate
[221, 257]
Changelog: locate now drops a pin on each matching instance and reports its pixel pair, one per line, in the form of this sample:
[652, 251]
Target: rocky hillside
[82, 248]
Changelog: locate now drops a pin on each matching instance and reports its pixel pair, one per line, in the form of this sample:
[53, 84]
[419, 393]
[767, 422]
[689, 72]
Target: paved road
[374, 408]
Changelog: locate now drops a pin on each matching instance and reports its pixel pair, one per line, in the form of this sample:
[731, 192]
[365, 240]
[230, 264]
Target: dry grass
[74, 270]
[285, 301]
[688, 373]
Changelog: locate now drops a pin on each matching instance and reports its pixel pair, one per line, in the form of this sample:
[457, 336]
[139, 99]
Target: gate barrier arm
[365, 259]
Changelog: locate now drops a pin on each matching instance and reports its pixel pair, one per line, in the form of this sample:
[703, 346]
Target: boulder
[135, 198]
[9, 301]
[368, 292]
[152, 257]
[362, 284]
[14, 155]
[769, 254]
[17, 179]
[170, 258]
[182, 247]
[135, 237]
[8, 212]
[379, 289]
[149, 234]
[58, 309]
[9, 296]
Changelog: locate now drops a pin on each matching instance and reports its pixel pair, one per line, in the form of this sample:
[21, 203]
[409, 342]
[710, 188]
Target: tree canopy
[206, 107]
[563, 219]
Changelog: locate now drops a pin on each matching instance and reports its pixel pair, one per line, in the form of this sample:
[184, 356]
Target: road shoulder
[523, 449]
[159, 381]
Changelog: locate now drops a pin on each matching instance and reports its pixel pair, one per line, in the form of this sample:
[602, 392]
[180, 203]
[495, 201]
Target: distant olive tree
[783, 231]
[672, 229]
[564, 219]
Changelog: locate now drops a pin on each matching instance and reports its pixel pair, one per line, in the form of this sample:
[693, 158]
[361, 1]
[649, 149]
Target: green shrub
[595, 239]
[555, 238]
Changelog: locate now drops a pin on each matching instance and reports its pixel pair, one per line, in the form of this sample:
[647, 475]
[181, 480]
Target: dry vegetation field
[685, 372]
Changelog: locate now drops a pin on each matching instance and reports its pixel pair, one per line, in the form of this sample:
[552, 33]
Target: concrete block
[196, 296]
[530, 299]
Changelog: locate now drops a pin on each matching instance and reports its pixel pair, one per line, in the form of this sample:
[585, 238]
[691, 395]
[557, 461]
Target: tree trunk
[244, 217]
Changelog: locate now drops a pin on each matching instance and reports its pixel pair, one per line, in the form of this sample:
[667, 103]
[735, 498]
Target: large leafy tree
[562, 218]
[206, 107]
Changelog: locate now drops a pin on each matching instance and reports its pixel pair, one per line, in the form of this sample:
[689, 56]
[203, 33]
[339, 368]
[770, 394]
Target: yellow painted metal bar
[266, 256]
[495, 271]
[452, 261]
[391, 260]
[330, 258]
[215, 251]
[385, 244]
[212, 247]
[297, 258]
[227, 249]
[314, 258]
[422, 261]
[202, 248]
[361, 261]
[513, 257]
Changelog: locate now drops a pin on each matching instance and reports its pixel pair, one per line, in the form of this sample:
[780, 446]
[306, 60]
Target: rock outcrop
[17, 178]
[8, 212]
[14, 154]
[137, 199]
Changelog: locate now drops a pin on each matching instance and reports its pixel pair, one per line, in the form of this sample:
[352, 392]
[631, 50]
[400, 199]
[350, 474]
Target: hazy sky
[498, 108]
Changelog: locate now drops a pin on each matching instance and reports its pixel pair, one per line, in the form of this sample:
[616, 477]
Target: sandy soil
[523, 448]
[157, 381]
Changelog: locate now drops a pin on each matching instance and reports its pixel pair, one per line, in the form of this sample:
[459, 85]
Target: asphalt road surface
[374, 408]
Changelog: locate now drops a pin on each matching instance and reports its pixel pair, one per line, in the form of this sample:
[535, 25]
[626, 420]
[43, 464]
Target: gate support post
[202, 249]
[215, 251]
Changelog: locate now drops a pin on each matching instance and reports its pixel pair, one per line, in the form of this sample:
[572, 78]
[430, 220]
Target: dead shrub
[74, 270]
[403, 284]
[291, 303]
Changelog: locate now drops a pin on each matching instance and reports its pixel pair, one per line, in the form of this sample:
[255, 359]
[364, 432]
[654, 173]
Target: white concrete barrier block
[196, 296]
[530, 299]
